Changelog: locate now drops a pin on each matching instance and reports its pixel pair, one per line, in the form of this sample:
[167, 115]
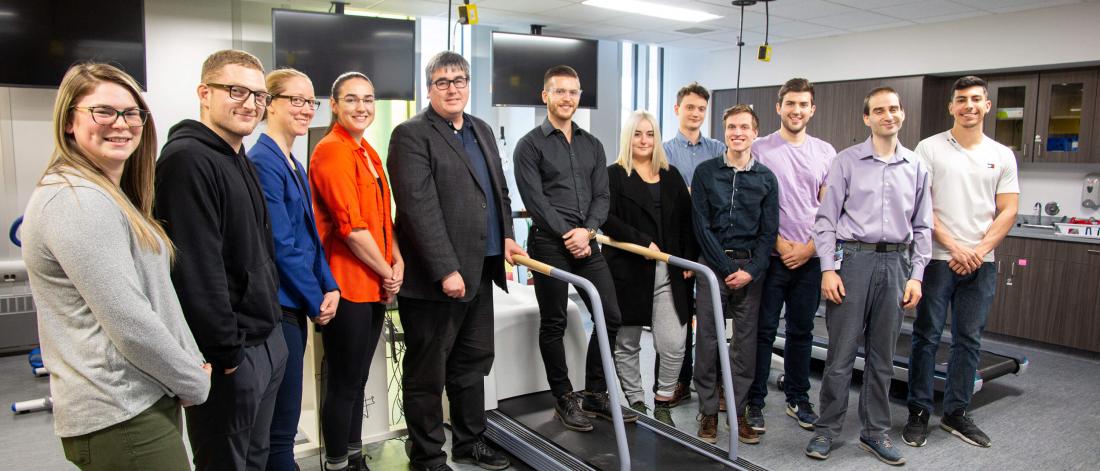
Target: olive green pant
[152, 439]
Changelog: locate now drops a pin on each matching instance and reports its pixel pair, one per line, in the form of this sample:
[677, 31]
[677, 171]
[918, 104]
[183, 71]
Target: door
[1012, 119]
[1065, 119]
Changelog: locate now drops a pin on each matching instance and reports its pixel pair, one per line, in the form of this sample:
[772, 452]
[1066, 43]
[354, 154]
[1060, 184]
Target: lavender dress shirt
[869, 200]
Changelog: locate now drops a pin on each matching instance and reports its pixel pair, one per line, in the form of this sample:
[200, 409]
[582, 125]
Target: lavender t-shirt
[801, 171]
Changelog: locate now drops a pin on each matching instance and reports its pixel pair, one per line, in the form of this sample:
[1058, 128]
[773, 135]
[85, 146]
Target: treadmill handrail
[610, 377]
[719, 321]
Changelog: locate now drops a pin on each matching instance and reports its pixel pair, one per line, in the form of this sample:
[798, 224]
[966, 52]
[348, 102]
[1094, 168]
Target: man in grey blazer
[454, 228]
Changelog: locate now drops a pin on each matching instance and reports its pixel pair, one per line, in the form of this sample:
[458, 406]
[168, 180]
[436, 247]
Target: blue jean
[288, 404]
[800, 290]
[969, 298]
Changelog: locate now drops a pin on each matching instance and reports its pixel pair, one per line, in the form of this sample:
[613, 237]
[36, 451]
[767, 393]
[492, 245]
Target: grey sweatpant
[669, 336]
[743, 306]
[870, 314]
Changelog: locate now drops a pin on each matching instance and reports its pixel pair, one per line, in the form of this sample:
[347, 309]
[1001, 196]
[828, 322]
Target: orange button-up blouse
[346, 196]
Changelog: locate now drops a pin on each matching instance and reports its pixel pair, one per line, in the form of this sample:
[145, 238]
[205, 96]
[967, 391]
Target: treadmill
[525, 427]
[992, 363]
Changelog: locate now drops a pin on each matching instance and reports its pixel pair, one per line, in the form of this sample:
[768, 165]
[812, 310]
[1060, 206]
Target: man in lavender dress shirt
[800, 162]
[873, 236]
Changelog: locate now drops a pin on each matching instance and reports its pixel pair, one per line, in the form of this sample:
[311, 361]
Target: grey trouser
[743, 306]
[870, 315]
[669, 336]
[230, 431]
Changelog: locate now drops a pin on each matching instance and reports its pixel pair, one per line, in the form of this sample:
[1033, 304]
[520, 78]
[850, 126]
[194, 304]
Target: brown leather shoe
[708, 428]
[682, 393]
[745, 433]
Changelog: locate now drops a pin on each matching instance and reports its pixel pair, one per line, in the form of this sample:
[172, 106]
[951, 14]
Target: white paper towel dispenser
[1090, 191]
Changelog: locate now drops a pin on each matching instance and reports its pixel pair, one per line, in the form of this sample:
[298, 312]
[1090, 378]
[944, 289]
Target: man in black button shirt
[736, 214]
[561, 173]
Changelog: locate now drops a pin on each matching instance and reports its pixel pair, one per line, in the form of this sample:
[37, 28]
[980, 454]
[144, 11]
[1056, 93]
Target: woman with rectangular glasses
[122, 359]
[307, 289]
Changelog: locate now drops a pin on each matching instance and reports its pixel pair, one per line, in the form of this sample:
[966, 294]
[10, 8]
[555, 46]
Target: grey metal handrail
[605, 348]
[719, 321]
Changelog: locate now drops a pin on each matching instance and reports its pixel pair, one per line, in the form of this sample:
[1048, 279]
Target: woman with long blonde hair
[121, 357]
[650, 206]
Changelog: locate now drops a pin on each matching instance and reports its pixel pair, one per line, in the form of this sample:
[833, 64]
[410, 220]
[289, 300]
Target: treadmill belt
[648, 449]
[990, 365]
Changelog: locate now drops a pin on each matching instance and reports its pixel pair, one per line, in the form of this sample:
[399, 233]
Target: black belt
[736, 254]
[875, 247]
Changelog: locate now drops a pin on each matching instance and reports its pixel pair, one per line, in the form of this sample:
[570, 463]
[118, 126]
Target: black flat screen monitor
[324, 45]
[41, 39]
[521, 60]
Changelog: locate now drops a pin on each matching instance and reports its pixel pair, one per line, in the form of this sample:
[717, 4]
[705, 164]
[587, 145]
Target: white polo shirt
[965, 184]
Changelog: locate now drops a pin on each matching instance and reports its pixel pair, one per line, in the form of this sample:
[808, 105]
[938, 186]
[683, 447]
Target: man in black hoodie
[209, 198]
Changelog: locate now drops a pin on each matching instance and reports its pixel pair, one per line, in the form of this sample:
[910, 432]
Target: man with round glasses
[209, 197]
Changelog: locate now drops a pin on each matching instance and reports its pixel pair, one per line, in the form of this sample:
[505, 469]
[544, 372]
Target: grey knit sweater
[112, 332]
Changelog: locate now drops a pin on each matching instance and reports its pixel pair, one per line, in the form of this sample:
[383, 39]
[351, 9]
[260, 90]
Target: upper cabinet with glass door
[1064, 125]
[1011, 121]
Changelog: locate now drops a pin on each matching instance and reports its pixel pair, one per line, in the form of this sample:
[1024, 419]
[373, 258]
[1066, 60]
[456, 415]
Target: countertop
[1048, 234]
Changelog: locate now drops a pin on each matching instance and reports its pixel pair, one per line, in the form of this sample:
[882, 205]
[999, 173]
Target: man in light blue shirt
[690, 148]
[685, 152]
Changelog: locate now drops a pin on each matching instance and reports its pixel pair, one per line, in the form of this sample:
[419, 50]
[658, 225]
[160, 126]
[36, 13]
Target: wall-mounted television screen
[324, 45]
[41, 39]
[521, 60]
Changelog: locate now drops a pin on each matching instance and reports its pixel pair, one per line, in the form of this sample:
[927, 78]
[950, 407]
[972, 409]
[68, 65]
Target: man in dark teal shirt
[736, 213]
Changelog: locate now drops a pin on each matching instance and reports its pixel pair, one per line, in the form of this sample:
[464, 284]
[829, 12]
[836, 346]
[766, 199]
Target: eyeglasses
[560, 92]
[239, 93]
[443, 84]
[352, 100]
[298, 102]
[106, 116]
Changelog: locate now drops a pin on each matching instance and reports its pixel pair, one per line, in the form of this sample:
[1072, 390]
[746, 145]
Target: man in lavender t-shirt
[874, 237]
[800, 163]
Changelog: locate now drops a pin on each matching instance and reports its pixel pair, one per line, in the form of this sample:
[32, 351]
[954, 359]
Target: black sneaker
[597, 404]
[960, 425]
[803, 413]
[754, 415]
[484, 456]
[568, 411]
[916, 428]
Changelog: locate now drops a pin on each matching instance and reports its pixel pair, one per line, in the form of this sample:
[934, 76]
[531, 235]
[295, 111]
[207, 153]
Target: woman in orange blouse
[351, 199]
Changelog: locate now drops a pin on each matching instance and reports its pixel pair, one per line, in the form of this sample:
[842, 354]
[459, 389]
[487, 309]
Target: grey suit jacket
[441, 209]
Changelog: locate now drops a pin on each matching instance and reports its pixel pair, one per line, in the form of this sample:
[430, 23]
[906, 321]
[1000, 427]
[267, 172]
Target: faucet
[1038, 213]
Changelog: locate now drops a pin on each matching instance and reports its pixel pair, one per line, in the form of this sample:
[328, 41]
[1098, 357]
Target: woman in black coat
[651, 207]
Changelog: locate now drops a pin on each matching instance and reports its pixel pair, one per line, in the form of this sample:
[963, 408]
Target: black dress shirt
[563, 184]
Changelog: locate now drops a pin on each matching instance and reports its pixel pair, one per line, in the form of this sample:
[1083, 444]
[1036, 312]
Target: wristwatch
[591, 233]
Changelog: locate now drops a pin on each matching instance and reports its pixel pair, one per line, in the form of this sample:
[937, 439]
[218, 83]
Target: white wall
[1046, 37]
[682, 67]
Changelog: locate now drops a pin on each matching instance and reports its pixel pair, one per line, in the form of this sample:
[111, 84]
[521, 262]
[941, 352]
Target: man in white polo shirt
[975, 194]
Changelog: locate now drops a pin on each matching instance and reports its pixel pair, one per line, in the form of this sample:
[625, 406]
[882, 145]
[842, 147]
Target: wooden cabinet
[1011, 121]
[1064, 124]
[1047, 291]
[762, 100]
[838, 115]
[1044, 116]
